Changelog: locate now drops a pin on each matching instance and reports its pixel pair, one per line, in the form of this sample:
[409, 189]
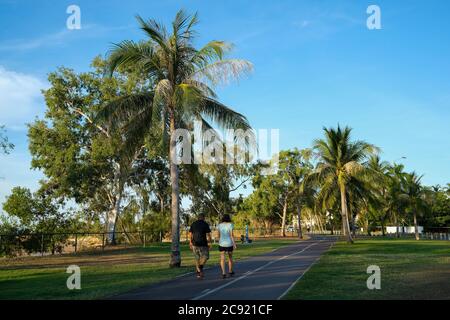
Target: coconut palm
[379, 208]
[395, 199]
[180, 90]
[340, 169]
[416, 196]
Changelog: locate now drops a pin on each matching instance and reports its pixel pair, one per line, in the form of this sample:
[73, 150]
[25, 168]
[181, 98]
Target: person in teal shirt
[226, 244]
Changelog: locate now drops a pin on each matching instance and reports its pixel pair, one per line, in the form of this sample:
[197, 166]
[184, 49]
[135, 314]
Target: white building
[401, 229]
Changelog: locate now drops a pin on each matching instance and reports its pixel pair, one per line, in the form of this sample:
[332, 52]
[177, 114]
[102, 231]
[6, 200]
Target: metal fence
[34, 244]
[61, 243]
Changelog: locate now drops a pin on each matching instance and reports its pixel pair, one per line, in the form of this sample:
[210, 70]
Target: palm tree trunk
[397, 225]
[175, 257]
[283, 221]
[345, 222]
[299, 218]
[416, 227]
[353, 229]
[367, 227]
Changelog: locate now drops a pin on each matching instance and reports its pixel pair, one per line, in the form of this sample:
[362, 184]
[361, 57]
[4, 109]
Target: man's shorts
[201, 254]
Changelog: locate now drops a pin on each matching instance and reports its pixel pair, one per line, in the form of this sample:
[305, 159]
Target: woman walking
[226, 244]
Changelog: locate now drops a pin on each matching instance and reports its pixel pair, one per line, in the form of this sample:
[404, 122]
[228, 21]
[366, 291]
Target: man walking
[200, 243]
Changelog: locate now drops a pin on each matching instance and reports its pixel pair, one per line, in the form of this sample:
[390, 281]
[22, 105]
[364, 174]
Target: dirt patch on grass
[119, 256]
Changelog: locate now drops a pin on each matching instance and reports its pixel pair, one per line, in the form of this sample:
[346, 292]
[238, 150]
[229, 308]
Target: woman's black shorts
[226, 249]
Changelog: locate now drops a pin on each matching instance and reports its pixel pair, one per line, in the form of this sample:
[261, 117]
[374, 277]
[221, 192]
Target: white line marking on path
[301, 276]
[211, 267]
[245, 275]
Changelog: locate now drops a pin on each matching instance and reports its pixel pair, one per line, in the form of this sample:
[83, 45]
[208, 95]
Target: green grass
[104, 274]
[409, 270]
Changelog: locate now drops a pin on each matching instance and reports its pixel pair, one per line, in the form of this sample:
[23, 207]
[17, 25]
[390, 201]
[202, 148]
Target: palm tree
[340, 169]
[395, 199]
[379, 208]
[416, 197]
[180, 91]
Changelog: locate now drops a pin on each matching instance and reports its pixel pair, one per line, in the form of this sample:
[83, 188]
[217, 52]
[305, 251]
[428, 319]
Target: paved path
[265, 277]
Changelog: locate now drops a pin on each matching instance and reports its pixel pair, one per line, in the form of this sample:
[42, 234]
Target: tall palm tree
[379, 208]
[180, 91]
[395, 197]
[340, 169]
[416, 197]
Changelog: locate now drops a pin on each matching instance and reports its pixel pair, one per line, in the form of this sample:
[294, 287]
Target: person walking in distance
[226, 244]
[200, 243]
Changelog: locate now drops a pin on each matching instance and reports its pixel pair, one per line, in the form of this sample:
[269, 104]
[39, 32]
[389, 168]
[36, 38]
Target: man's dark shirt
[199, 230]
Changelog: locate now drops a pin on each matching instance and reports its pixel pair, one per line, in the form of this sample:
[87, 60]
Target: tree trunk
[116, 199]
[345, 222]
[299, 218]
[397, 226]
[283, 221]
[353, 228]
[175, 257]
[161, 203]
[382, 227]
[112, 221]
[416, 227]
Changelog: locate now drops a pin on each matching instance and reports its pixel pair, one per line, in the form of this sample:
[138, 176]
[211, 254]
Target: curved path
[264, 277]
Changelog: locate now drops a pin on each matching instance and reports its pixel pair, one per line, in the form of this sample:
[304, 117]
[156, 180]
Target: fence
[60, 243]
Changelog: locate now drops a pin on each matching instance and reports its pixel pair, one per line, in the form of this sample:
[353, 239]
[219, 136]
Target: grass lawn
[104, 274]
[409, 270]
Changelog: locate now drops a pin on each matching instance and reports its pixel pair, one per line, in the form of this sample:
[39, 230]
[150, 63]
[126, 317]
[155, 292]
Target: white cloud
[20, 98]
[27, 44]
[61, 37]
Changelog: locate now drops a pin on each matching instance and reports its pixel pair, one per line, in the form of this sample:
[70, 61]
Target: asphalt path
[264, 277]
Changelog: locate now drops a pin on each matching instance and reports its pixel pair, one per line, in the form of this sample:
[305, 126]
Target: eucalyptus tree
[5, 145]
[341, 169]
[281, 192]
[294, 165]
[263, 205]
[219, 182]
[78, 156]
[183, 80]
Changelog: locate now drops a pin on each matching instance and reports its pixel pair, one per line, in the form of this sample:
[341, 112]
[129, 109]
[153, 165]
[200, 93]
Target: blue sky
[316, 64]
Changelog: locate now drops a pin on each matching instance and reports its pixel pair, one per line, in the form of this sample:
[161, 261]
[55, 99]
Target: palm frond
[222, 115]
[183, 23]
[223, 71]
[129, 54]
[117, 113]
[155, 31]
[211, 52]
